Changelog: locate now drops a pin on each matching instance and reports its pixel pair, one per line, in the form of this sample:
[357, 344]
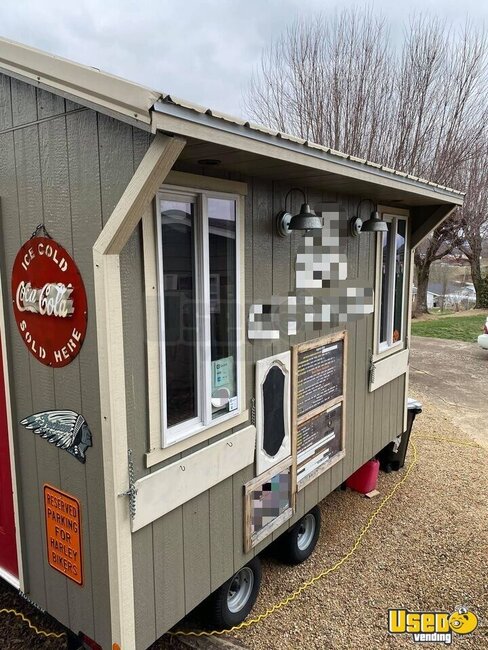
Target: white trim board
[389, 369]
[151, 173]
[172, 486]
[10, 578]
[87, 84]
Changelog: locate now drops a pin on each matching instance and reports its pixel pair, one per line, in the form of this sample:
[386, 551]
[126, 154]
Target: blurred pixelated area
[322, 294]
[270, 501]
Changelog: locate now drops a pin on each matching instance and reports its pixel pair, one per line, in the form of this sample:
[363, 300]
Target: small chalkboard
[320, 376]
[274, 420]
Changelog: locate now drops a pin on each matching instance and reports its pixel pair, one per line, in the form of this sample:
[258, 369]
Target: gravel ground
[426, 551]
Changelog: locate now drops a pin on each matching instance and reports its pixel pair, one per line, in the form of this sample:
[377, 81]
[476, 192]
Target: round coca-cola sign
[49, 301]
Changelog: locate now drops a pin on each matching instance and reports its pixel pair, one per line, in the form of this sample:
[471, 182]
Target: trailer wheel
[233, 601]
[298, 543]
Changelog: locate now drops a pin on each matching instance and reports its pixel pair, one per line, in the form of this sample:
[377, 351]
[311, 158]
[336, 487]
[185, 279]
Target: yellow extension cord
[31, 625]
[308, 583]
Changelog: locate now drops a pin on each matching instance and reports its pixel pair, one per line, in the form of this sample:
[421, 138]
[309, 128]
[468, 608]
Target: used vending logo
[432, 627]
[49, 301]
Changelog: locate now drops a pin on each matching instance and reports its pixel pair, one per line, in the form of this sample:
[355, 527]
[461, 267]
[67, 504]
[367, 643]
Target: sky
[201, 50]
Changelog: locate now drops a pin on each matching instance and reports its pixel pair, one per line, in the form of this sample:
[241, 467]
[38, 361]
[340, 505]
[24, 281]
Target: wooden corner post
[148, 178]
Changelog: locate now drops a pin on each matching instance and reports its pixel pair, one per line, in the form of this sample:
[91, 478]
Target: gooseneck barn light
[304, 220]
[374, 224]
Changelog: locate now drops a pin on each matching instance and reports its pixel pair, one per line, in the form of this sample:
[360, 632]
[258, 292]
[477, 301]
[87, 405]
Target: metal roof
[206, 116]
[135, 103]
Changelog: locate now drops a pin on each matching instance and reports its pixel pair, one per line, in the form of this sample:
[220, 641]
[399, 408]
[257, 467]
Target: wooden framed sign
[267, 503]
[318, 408]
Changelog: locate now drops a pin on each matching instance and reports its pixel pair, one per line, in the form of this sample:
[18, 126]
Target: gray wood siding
[185, 555]
[68, 171]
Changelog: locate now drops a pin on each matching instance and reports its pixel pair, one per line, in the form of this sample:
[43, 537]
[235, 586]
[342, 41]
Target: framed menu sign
[319, 374]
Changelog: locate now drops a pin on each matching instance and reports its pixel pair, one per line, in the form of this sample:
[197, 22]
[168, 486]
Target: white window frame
[386, 348]
[203, 421]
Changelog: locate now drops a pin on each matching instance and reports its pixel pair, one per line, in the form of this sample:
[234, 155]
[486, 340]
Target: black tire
[298, 543]
[226, 607]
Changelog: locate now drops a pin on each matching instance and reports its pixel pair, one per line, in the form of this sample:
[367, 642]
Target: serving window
[198, 242]
[391, 285]
[390, 358]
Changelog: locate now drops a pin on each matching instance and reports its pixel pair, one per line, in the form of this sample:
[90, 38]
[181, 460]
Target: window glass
[385, 281]
[223, 290]
[198, 277]
[392, 290]
[399, 275]
[180, 304]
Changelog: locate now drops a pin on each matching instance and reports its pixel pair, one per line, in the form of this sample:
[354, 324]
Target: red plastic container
[365, 479]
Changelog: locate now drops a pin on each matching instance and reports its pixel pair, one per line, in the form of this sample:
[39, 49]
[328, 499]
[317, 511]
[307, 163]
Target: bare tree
[474, 218]
[339, 82]
[329, 81]
[444, 239]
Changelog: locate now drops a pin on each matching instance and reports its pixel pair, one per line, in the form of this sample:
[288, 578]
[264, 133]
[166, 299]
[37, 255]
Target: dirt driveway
[455, 375]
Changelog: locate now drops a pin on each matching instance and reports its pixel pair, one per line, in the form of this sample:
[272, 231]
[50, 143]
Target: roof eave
[204, 126]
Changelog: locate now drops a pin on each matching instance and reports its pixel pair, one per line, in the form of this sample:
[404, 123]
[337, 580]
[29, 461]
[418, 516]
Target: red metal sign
[49, 301]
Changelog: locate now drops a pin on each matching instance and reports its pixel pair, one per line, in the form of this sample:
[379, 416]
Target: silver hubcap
[240, 589]
[306, 532]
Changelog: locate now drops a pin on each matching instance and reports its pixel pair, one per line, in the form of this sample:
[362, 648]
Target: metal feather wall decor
[65, 429]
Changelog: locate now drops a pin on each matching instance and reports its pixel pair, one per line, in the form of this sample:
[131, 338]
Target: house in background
[432, 298]
[453, 294]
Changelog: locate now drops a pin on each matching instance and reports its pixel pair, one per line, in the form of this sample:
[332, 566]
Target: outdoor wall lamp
[304, 220]
[374, 224]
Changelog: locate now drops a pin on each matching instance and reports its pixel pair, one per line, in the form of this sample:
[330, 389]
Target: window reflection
[178, 233]
[399, 275]
[222, 267]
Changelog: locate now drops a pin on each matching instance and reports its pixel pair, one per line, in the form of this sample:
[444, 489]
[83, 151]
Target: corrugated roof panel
[312, 145]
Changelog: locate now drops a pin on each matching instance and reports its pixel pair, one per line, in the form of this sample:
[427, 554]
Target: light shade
[305, 219]
[374, 224]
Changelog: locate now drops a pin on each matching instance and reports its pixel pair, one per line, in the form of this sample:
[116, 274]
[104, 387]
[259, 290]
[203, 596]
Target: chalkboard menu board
[319, 440]
[319, 378]
[319, 431]
[319, 403]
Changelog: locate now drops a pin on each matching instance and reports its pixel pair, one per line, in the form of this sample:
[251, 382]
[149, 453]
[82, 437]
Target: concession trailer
[190, 361]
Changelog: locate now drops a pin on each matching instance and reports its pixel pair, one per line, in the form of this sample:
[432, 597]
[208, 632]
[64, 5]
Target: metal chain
[132, 491]
[253, 411]
[40, 228]
[372, 370]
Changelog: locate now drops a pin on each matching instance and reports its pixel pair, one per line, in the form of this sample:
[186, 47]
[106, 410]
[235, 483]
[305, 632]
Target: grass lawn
[460, 328]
